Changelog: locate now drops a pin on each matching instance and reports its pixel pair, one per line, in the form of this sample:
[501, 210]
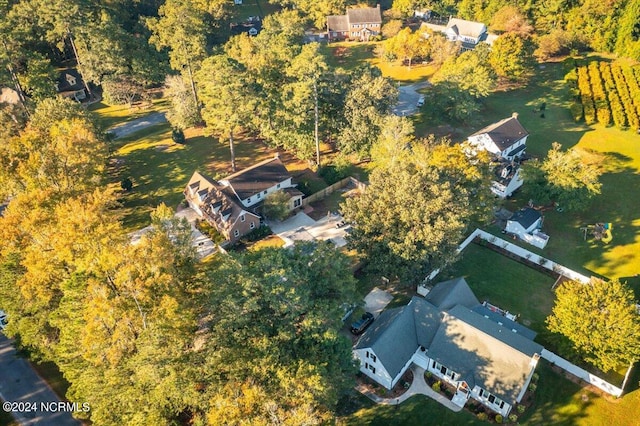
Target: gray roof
[397, 333]
[504, 133]
[466, 28]
[526, 217]
[483, 352]
[338, 23]
[364, 15]
[506, 322]
[447, 294]
[258, 177]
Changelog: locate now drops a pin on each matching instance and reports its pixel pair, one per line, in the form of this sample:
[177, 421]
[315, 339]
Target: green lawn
[112, 115]
[417, 410]
[506, 283]
[160, 169]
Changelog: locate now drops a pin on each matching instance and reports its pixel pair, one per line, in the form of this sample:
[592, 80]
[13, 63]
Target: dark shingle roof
[526, 216]
[447, 294]
[364, 15]
[338, 23]
[504, 133]
[398, 332]
[484, 353]
[257, 178]
[63, 83]
[506, 322]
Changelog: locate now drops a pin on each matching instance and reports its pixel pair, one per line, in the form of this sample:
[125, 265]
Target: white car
[420, 101]
[3, 319]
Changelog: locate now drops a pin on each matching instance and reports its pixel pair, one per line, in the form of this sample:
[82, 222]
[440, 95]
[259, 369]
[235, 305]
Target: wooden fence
[332, 188]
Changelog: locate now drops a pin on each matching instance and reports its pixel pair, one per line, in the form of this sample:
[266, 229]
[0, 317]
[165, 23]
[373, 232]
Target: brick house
[231, 204]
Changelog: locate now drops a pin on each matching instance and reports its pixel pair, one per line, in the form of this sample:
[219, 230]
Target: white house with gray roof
[485, 356]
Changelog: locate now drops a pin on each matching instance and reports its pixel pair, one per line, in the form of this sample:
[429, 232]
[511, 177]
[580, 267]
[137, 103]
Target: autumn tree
[413, 214]
[394, 142]
[569, 178]
[184, 111]
[599, 318]
[276, 205]
[512, 56]
[407, 45]
[510, 19]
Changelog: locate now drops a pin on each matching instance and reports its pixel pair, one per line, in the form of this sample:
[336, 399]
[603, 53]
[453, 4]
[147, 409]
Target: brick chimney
[514, 115]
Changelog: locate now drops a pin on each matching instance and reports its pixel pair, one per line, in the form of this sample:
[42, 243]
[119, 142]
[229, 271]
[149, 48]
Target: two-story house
[506, 140]
[231, 204]
[485, 356]
[358, 24]
[468, 33]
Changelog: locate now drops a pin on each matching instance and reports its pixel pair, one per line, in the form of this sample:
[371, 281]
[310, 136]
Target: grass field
[351, 54]
[112, 115]
[506, 283]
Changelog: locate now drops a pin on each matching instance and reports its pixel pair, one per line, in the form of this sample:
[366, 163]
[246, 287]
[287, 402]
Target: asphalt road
[28, 392]
[408, 98]
[133, 126]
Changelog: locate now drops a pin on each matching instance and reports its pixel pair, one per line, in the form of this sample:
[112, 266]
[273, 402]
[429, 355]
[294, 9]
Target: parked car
[420, 101]
[3, 319]
[361, 325]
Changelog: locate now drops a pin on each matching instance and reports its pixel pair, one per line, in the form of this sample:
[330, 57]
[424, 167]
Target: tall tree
[413, 214]
[395, 141]
[369, 99]
[184, 111]
[600, 320]
[570, 178]
[512, 56]
[227, 98]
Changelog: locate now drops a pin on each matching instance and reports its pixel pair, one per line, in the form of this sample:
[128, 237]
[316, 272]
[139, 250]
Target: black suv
[361, 325]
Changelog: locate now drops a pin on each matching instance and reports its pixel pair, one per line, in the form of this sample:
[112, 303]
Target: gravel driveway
[133, 126]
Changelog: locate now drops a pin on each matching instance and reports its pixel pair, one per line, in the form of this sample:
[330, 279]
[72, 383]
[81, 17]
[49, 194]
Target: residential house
[252, 26]
[506, 178]
[468, 33]
[526, 224]
[232, 204]
[485, 356]
[358, 24]
[71, 85]
[9, 96]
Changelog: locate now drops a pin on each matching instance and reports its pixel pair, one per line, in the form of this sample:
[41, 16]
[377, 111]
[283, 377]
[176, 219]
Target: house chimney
[515, 115]
[277, 155]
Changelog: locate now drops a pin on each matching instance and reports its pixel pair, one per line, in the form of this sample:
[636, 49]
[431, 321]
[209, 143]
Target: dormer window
[258, 195]
[278, 186]
[242, 218]
[248, 200]
[70, 79]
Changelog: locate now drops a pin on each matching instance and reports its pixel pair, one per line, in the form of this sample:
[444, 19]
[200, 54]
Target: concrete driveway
[19, 382]
[408, 98]
[301, 227]
[133, 126]
[376, 301]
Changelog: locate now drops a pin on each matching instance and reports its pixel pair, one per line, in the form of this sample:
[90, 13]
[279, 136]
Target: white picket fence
[555, 267]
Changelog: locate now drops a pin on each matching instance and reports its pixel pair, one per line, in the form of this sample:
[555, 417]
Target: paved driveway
[133, 126]
[20, 383]
[408, 98]
[376, 301]
[301, 227]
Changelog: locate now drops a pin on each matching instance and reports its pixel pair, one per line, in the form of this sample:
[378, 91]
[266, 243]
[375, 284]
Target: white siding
[380, 375]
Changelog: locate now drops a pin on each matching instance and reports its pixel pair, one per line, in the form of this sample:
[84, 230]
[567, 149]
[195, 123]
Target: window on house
[258, 195]
[481, 393]
[297, 202]
[236, 233]
[252, 225]
[242, 218]
[453, 375]
[265, 192]
[248, 200]
[501, 404]
[367, 354]
[373, 369]
[278, 186]
[434, 364]
[443, 369]
[492, 398]
[373, 358]
[366, 365]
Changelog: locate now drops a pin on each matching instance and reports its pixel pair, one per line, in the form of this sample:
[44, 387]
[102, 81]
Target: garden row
[607, 94]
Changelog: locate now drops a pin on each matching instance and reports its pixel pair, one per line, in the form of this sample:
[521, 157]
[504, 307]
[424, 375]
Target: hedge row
[608, 93]
[616, 107]
[599, 95]
[584, 86]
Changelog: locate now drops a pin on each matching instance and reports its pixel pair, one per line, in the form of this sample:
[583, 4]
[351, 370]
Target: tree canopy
[600, 320]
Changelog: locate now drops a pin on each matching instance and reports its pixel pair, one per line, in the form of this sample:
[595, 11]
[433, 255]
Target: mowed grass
[352, 54]
[506, 283]
[417, 410]
[160, 169]
[112, 115]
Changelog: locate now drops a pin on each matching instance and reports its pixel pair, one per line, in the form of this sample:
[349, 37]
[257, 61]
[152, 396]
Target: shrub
[513, 418]
[126, 184]
[178, 136]
[521, 409]
[535, 377]
[482, 416]
[257, 234]
[533, 387]
[436, 386]
[499, 418]
[276, 205]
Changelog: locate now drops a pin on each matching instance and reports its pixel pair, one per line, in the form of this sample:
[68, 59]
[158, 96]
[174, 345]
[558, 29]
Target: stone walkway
[418, 387]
